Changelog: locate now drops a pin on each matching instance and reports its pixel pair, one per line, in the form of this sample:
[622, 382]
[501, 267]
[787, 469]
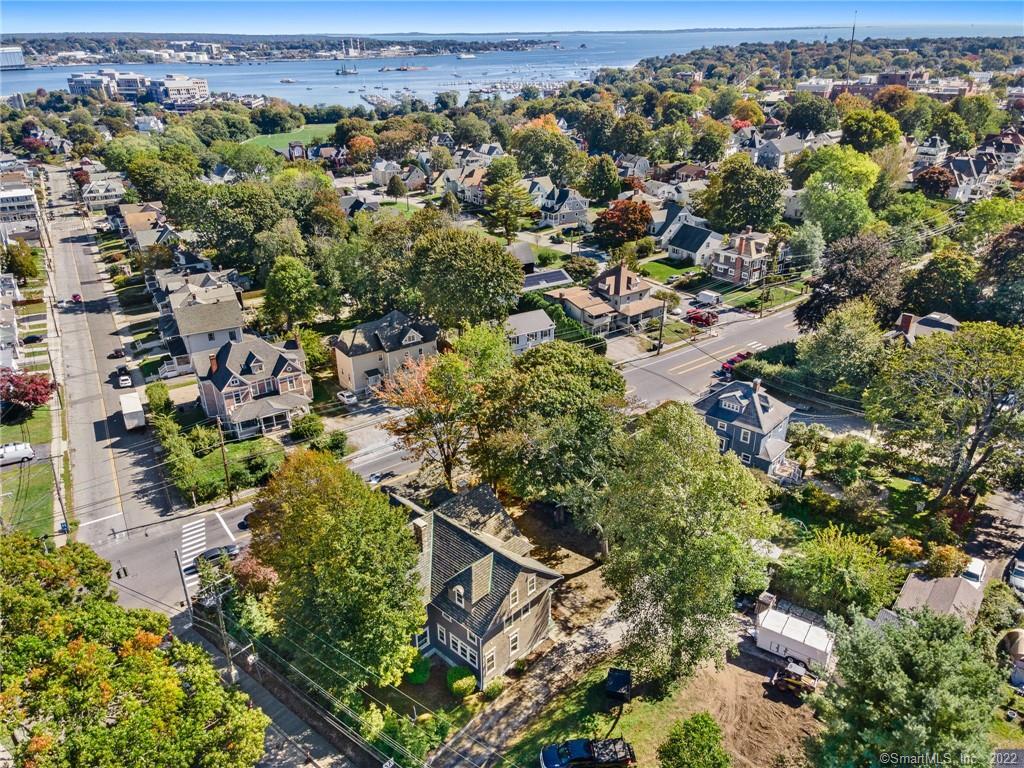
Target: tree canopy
[96, 684]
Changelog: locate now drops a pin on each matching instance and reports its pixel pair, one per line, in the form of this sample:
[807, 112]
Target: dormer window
[257, 366]
[411, 338]
[459, 595]
[730, 405]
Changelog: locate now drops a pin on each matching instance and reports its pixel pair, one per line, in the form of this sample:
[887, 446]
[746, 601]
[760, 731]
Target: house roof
[691, 238]
[951, 596]
[534, 321]
[550, 278]
[352, 204]
[387, 334]
[240, 359]
[522, 252]
[786, 145]
[484, 564]
[757, 410]
[194, 316]
[556, 198]
[582, 298]
[619, 280]
[261, 407]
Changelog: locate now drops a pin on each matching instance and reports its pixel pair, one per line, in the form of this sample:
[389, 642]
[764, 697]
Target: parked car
[676, 312]
[124, 377]
[63, 304]
[76, 298]
[557, 239]
[731, 363]
[974, 573]
[378, 477]
[588, 753]
[1016, 575]
[33, 338]
[214, 554]
[16, 453]
[117, 353]
[346, 397]
[243, 524]
[701, 317]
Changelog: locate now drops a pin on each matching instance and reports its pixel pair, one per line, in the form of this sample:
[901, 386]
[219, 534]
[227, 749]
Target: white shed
[792, 636]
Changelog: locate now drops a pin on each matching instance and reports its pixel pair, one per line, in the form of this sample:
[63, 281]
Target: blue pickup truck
[588, 753]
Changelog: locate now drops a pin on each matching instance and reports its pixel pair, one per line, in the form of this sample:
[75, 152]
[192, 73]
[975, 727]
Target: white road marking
[99, 519]
[193, 541]
[225, 526]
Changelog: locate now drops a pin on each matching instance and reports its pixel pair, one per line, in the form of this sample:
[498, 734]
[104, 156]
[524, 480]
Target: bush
[860, 506]
[335, 443]
[307, 427]
[159, 399]
[816, 503]
[494, 689]
[905, 549]
[546, 257]
[844, 460]
[461, 682]
[203, 439]
[946, 560]
[420, 672]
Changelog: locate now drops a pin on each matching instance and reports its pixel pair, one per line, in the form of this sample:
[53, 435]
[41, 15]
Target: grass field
[662, 269]
[30, 504]
[35, 428]
[305, 134]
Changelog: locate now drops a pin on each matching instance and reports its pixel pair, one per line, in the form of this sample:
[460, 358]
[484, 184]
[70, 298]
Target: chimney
[906, 323]
[756, 385]
[419, 530]
[213, 363]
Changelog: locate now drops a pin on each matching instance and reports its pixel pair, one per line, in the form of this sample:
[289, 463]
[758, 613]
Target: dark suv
[588, 753]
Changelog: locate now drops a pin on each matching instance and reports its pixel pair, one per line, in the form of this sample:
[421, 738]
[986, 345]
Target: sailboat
[347, 71]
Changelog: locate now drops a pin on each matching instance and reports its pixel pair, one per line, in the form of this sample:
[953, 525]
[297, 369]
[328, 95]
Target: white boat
[465, 56]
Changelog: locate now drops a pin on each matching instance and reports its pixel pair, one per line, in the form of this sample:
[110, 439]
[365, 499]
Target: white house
[563, 206]
[529, 329]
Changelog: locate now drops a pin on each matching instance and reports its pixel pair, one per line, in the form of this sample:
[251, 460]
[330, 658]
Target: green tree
[746, 109]
[602, 181]
[292, 292]
[840, 211]
[347, 569]
[696, 742]
[396, 187]
[724, 101]
[807, 244]
[100, 686]
[450, 204]
[844, 352]
[501, 168]
[708, 147]
[631, 134]
[672, 485]
[979, 114]
[465, 276]
[282, 239]
[842, 166]
[318, 356]
[812, 113]
[508, 203]
[968, 419]
[1002, 276]
[580, 268]
[854, 267]
[440, 160]
[987, 218]
[471, 130]
[918, 686]
[951, 127]
[839, 572]
[546, 426]
[741, 194]
[18, 259]
[946, 283]
[867, 130]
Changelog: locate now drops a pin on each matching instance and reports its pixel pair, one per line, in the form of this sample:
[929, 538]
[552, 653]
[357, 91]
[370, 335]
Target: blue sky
[438, 16]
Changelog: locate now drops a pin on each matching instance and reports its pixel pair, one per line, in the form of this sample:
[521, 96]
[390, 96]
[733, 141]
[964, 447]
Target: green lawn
[35, 308]
[406, 209]
[33, 427]
[30, 504]
[133, 296]
[905, 496]
[144, 332]
[305, 134]
[662, 269]
[151, 365]
[675, 330]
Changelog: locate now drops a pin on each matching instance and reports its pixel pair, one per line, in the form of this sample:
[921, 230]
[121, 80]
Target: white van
[16, 453]
[974, 573]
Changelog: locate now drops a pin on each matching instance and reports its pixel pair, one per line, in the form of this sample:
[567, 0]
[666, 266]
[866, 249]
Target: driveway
[485, 738]
[998, 533]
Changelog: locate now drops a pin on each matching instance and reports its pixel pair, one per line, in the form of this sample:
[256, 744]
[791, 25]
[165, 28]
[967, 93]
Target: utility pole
[849, 56]
[60, 495]
[184, 587]
[225, 642]
[661, 328]
[224, 459]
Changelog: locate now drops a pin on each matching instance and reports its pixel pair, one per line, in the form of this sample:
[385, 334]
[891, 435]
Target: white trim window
[513, 597]
[513, 644]
[459, 594]
[490, 664]
[744, 435]
[745, 458]
[531, 583]
[446, 617]
[473, 639]
[422, 640]
[442, 636]
[525, 610]
[463, 650]
[721, 425]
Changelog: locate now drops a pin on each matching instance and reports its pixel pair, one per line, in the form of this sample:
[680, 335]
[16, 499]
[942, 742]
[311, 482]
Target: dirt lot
[759, 725]
[582, 596]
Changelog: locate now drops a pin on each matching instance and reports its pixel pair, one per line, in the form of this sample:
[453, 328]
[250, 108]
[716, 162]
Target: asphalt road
[684, 373]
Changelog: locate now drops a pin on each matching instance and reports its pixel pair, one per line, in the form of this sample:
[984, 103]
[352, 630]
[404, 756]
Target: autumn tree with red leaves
[623, 222]
[25, 389]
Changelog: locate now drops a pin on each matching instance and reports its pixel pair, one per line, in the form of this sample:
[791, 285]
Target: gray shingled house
[488, 602]
[750, 422]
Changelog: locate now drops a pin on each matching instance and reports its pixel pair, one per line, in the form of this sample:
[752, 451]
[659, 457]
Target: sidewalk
[489, 734]
[289, 741]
